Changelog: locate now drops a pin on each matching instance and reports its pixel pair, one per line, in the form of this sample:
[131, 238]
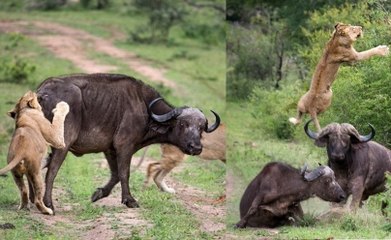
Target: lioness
[29, 145]
[338, 50]
[213, 149]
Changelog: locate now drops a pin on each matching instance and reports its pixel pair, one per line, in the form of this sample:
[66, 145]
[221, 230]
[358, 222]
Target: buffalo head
[338, 139]
[184, 126]
[324, 184]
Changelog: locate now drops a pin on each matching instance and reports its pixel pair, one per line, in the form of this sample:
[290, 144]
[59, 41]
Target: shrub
[349, 224]
[14, 68]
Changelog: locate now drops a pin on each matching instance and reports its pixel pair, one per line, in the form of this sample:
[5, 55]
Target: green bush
[207, 33]
[271, 109]
[349, 224]
[14, 68]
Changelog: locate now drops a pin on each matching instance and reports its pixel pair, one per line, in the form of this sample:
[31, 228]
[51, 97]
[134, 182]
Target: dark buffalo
[359, 163]
[116, 115]
[273, 197]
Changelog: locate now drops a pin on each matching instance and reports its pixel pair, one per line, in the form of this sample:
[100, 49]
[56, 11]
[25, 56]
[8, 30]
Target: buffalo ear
[321, 141]
[160, 128]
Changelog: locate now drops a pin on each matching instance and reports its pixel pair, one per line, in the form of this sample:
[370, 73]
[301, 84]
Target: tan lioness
[33, 133]
[338, 50]
[213, 149]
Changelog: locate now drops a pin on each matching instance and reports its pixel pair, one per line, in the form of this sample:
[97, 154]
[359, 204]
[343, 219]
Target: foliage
[203, 21]
[349, 224]
[11, 4]
[46, 4]
[163, 15]
[271, 110]
[14, 68]
[97, 4]
[256, 51]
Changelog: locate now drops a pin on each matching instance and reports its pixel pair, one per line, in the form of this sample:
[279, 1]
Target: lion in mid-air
[338, 50]
[33, 132]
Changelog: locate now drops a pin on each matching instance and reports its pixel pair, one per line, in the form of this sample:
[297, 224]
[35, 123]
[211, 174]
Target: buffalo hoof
[130, 203]
[240, 224]
[98, 194]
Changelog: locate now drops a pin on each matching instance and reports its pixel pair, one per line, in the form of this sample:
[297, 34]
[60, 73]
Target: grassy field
[164, 215]
[249, 149]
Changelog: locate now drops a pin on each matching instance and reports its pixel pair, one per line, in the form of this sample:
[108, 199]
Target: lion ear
[33, 101]
[336, 25]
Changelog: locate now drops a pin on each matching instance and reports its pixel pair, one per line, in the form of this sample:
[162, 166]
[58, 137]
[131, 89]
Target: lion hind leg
[37, 185]
[159, 180]
[314, 117]
[152, 169]
[23, 191]
[297, 119]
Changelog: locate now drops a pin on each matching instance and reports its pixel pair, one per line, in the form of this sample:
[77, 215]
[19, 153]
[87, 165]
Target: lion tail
[15, 161]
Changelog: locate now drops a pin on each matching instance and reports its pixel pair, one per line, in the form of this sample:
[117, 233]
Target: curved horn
[215, 125]
[311, 176]
[368, 137]
[164, 117]
[303, 169]
[310, 133]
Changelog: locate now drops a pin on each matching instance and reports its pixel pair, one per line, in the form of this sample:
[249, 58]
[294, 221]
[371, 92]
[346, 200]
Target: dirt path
[72, 44]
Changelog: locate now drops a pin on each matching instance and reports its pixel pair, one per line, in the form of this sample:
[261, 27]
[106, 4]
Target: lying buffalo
[359, 163]
[273, 197]
[116, 115]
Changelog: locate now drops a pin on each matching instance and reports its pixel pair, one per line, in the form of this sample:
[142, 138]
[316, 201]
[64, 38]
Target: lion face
[348, 32]
[29, 100]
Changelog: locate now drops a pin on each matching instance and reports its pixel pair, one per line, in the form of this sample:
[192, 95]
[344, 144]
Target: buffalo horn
[215, 125]
[303, 169]
[310, 133]
[368, 137]
[311, 176]
[164, 117]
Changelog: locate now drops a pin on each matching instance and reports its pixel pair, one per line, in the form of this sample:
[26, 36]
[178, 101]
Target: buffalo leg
[357, 190]
[251, 212]
[123, 160]
[106, 190]
[57, 158]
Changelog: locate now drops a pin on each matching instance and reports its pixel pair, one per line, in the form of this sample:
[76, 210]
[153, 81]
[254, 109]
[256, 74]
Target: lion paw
[383, 50]
[61, 107]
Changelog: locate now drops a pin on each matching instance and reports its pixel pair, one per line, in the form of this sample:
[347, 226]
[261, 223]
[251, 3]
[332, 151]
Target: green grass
[206, 175]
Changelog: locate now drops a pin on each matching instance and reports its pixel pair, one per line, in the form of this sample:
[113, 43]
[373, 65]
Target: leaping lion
[338, 50]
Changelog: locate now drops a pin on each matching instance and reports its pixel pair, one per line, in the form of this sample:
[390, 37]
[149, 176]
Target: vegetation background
[272, 50]
[184, 38]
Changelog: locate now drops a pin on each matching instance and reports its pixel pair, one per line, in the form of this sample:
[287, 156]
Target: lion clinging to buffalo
[339, 49]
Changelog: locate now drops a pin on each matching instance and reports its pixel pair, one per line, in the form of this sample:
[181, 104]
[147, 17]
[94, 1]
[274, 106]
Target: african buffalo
[274, 195]
[359, 163]
[117, 115]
